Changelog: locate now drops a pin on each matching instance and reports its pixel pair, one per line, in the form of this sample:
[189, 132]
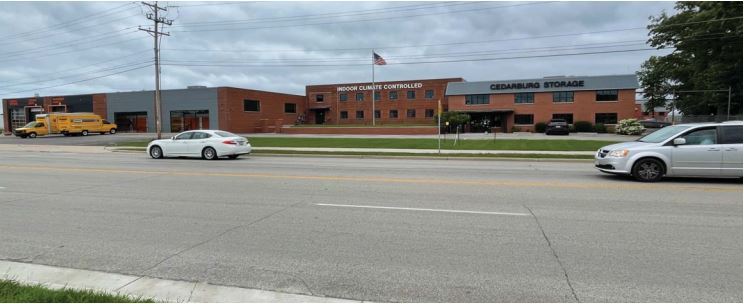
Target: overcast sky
[283, 46]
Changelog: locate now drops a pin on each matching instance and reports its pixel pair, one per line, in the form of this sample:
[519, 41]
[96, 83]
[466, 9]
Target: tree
[707, 55]
[455, 118]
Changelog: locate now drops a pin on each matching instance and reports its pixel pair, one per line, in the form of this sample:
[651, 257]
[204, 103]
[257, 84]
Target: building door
[131, 121]
[319, 117]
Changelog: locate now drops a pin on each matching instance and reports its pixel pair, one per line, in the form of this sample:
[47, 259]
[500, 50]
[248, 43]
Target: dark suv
[557, 126]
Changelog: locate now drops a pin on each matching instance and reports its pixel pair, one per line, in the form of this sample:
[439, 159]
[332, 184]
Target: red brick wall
[99, 106]
[583, 108]
[233, 118]
[362, 130]
[384, 105]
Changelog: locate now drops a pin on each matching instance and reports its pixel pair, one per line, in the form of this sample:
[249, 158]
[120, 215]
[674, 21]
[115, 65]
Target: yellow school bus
[66, 124]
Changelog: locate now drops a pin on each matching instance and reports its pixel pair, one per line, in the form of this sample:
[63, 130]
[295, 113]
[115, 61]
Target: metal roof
[547, 84]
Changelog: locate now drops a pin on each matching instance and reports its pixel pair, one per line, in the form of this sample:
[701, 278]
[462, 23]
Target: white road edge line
[425, 209]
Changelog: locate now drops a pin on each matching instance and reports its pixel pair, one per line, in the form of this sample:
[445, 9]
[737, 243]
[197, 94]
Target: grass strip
[419, 143]
[14, 292]
[393, 154]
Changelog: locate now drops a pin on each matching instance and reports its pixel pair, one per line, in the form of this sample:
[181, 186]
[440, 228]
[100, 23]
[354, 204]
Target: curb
[146, 287]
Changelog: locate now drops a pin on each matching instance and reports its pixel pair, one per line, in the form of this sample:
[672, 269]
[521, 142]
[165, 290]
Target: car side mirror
[173, 138]
[679, 141]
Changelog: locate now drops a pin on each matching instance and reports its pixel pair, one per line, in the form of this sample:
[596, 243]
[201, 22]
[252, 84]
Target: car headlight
[618, 153]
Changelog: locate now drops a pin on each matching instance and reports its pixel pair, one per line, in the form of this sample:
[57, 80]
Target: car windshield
[30, 125]
[662, 134]
[225, 134]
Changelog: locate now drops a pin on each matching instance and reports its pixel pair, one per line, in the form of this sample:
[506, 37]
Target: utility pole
[157, 34]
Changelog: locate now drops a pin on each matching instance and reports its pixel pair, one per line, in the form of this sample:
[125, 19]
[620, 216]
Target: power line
[417, 62]
[120, 66]
[76, 42]
[366, 20]
[78, 81]
[66, 24]
[211, 4]
[65, 52]
[336, 14]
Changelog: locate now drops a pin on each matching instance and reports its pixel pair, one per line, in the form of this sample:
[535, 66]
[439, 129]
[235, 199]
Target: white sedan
[207, 144]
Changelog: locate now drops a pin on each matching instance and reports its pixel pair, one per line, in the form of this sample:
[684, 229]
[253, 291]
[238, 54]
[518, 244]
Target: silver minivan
[694, 150]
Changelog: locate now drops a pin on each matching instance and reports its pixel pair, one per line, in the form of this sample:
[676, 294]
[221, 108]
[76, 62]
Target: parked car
[695, 150]
[557, 126]
[207, 144]
[653, 123]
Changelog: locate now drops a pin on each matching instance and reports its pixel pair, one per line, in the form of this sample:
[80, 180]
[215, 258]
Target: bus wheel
[84, 133]
[112, 131]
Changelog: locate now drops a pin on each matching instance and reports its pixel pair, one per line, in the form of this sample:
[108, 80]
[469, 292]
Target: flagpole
[373, 87]
[439, 126]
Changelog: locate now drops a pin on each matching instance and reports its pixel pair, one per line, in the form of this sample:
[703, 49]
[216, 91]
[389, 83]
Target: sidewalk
[142, 286]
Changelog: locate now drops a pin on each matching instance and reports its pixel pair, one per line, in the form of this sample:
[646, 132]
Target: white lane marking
[425, 209]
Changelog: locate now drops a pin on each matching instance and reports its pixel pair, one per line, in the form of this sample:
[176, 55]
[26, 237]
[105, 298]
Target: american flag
[379, 60]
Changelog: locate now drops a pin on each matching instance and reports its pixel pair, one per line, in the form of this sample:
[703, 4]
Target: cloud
[44, 40]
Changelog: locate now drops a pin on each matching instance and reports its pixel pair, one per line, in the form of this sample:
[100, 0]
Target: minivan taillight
[230, 142]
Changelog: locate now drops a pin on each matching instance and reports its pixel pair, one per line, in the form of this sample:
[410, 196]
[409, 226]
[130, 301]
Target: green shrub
[583, 126]
[516, 129]
[600, 128]
[629, 127]
[540, 127]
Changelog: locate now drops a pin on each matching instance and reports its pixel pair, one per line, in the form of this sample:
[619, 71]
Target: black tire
[102, 133]
[32, 135]
[209, 153]
[156, 152]
[84, 133]
[112, 131]
[23, 136]
[233, 156]
[648, 170]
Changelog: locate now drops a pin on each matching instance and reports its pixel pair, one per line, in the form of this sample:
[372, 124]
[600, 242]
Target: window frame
[605, 123]
[343, 97]
[319, 97]
[294, 108]
[427, 113]
[530, 100]
[524, 124]
[561, 98]
[393, 95]
[359, 96]
[245, 104]
[597, 94]
[411, 94]
[409, 111]
[480, 99]
[357, 114]
[343, 115]
[721, 134]
[391, 116]
[570, 122]
[427, 96]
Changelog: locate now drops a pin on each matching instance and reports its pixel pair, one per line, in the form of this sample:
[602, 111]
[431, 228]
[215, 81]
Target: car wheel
[23, 136]
[112, 131]
[233, 156]
[84, 133]
[32, 135]
[209, 153]
[648, 170]
[156, 152]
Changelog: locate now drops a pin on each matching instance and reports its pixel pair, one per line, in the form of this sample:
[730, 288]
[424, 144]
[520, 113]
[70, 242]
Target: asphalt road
[378, 229]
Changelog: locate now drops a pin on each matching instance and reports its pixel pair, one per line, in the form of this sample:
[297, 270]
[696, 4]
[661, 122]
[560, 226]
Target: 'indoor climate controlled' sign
[536, 85]
[389, 86]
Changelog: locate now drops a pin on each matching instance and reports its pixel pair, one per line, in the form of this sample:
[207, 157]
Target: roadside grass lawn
[418, 143]
[14, 292]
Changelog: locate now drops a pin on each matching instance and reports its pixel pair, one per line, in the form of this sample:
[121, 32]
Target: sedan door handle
[714, 149]
[730, 149]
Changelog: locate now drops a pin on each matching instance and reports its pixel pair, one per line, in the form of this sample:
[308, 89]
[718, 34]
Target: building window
[319, 97]
[429, 113]
[360, 114]
[429, 94]
[411, 113]
[524, 98]
[359, 96]
[343, 97]
[411, 94]
[563, 96]
[607, 95]
[477, 99]
[290, 108]
[377, 95]
[377, 114]
[251, 105]
[393, 114]
[524, 119]
[344, 115]
[568, 117]
[393, 95]
[605, 118]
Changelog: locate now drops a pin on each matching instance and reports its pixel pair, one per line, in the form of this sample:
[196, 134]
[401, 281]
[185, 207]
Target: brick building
[234, 109]
[398, 102]
[494, 106]
[520, 104]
